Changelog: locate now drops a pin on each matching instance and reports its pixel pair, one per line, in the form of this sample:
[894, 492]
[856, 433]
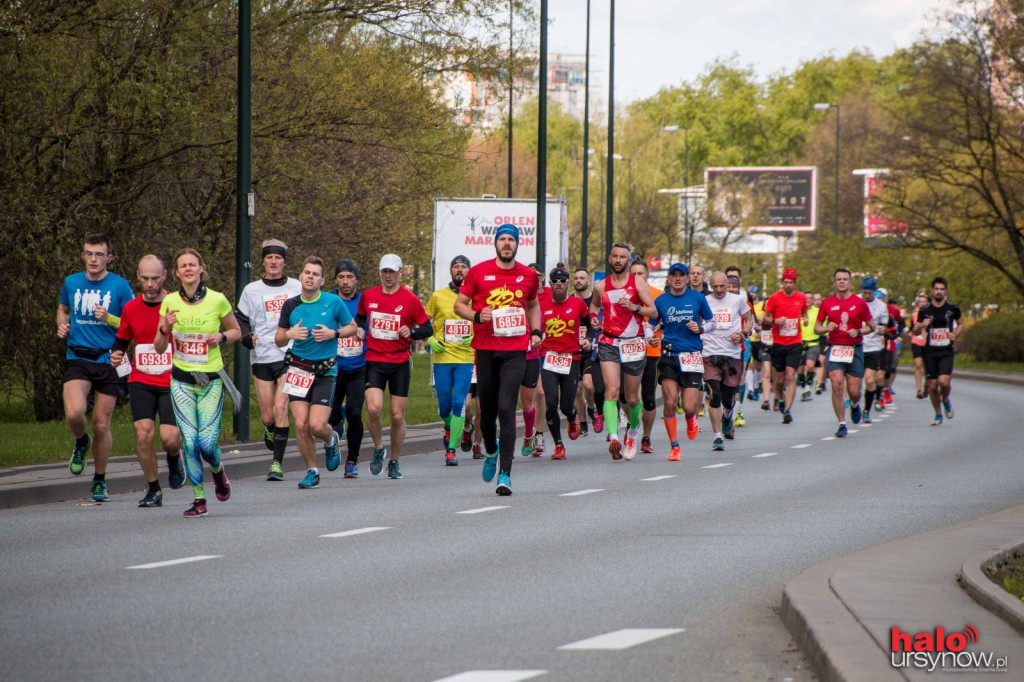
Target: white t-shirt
[728, 313]
[262, 305]
[880, 314]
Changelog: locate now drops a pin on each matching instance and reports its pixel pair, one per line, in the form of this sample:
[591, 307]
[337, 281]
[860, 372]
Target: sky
[665, 42]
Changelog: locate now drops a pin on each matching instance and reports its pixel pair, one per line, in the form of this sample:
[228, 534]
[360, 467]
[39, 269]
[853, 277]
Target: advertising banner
[763, 199]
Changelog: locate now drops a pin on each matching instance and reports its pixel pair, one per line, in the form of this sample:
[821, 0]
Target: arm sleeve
[423, 331]
[246, 326]
[361, 321]
[120, 344]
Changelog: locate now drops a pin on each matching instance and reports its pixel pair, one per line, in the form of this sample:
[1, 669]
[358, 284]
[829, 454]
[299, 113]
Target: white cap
[390, 262]
[882, 292]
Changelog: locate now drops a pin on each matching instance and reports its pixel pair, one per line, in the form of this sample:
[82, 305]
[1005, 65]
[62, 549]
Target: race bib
[939, 337]
[148, 361]
[633, 350]
[723, 316]
[766, 337]
[297, 382]
[692, 363]
[384, 326]
[191, 348]
[508, 321]
[272, 304]
[349, 347]
[124, 369]
[455, 331]
[791, 327]
[559, 363]
[841, 354]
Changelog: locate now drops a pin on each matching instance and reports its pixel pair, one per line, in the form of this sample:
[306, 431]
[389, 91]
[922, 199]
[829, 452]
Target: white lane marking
[583, 492]
[494, 676]
[621, 639]
[801, 445]
[852, 431]
[657, 478]
[829, 438]
[767, 454]
[357, 531]
[175, 562]
[482, 509]
[718, 466]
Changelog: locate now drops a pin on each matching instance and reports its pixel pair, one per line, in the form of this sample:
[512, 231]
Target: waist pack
[317, 367]
[88, 353]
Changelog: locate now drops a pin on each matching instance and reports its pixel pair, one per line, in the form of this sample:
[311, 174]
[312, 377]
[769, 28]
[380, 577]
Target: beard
[510, 259]
[619, 269]
[457, 281]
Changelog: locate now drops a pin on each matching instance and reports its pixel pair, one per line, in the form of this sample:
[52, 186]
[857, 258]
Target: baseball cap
[753, 290]
[390, 261]
[868, 284]
[678, 267]
[789, 273]
[460, 259]
[560, 273]
[881, 293]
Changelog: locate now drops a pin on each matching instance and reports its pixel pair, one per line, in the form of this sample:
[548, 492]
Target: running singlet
[351, 351]
[507, 292]
[917, 340]
[808, 329]
[188, 338]
[791, 308]
[764, 336]
[261, 304]
[875, 341]
[654, 351]
[675, 312]
[728, 314]
[848, 313]
[945, 318]
[565, 325]
[620, 323]
[449, 328]
[385, 314]
[326, 309]
[82, 295]
[139, 321]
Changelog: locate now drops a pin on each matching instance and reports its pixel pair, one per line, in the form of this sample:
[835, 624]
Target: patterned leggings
[198, 412]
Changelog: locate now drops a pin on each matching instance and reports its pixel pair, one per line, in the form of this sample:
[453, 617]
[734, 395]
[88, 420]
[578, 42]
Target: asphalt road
[694, 562]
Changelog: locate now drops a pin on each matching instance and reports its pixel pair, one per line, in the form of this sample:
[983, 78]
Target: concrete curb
[1012, 378]
[974, 578]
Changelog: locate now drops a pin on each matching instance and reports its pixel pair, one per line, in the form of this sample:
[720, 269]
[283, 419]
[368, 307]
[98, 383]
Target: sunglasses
[559, 280]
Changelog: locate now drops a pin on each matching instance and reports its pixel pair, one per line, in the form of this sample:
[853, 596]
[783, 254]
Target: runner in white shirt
[723, 352]
[874, 345]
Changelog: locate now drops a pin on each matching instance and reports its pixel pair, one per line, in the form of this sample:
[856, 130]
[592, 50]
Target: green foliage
[997, 338]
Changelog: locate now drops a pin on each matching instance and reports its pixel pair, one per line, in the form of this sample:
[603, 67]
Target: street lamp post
[825, 106]
[609, 229]
[586, 146]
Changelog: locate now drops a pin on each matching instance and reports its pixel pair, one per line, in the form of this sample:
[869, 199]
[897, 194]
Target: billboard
[875, 222]
[762, 199]
[466, 227]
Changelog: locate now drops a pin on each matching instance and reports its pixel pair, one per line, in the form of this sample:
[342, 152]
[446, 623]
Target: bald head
[149, 262]
[151, 274]
[719, 284]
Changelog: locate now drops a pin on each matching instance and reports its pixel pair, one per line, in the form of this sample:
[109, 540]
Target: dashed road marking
[657, 478]
[357, 531]
[482, 509]
[800, 445]
[766, 454]
[621, 639]
[718, 466]
[583, 492]
[494, 676]
[829, 438]
[175, 562]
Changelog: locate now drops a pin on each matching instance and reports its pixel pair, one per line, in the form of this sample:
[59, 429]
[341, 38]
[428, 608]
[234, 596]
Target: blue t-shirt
[82, 295]
[351, 362]
[674, 312]
[327, 309]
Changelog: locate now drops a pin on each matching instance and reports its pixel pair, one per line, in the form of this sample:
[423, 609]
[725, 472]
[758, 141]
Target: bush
[997, 338]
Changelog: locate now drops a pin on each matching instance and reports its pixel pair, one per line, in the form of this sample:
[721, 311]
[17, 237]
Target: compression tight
[560, 392]
[498, 377]
[197, 410]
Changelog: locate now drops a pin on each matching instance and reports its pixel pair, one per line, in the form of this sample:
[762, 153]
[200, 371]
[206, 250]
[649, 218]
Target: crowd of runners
[507, 341]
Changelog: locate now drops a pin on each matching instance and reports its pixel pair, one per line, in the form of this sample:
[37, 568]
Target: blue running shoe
[841, 431]
[331, 451]
[846, 403]
[727, 423]
[948, 408]
[312, 480]
[377, 461]
[504, 487]
[393, 471]
[78, 455]
[351, 470]
[855, 414]
[99, 491]
[937, 421]
[490, 467]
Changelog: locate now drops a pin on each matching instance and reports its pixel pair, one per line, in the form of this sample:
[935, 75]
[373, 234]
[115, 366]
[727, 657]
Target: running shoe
[805, 397]
[676, 454]
[78, 455]
[879, 404]
[489, 468]
[450, 460]
[692, 428]
[777, 405]
[312, 480]
[947, 407]
[888, 395]
[755, 396]
[846, 403]
[740, 421]
[614, 447]
[584, 429]
[700, 413]
[646, 445]
[731, 433]
[197, 509]
[527, 448]
[764, 406]
[598, 423]
[787, 418]
[559, 452]
[841, 431]
[377, 461]
[920, 395]
[727, 424]
[393, 472]
[351, 470]
[574, 429]
[339, 429]
[855, 414]
[866, 419]
[221, 485]
[447, 439]
[153, 498]
[99, 491]
[937, 421]
[276, 473]
[466, 444]
[630, 450]
[538, 444]
[478, 452]
[504, 487]
[718, 444]
[819, 390]
[331, 454]
[268, 438]
[175, 472]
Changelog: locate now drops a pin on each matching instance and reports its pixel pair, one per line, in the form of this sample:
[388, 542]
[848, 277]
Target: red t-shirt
[139, 321]
[791, 308]
[847, 313]
[385, 314]
[507, 292]
[562, 324]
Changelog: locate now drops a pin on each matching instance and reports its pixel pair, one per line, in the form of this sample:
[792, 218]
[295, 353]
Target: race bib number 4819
[456, 330]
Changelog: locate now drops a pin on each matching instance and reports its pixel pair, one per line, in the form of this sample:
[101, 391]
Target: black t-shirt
[944, 319]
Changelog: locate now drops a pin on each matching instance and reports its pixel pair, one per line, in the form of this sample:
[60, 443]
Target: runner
[586, 402]
[786, 311]
[845, 318]
[874, 345]
[893, 346]
[194, 316]
[698, 281]
[396, 318]
[736, 287]
[258, 311]
[753, 374]
[811, 348]
[350, 384]
[649, 381]
[722, 354]
[452, 357]
[500, 296]
[566, 332]
[940, 321]
[681, 311]
[531, 392]
[625, 300]
[917, 344]
[312, 323]
[88, 317]
[149, 384]
[820, 374]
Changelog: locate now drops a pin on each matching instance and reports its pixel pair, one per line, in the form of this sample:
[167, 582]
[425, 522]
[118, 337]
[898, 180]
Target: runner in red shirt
[149, 384]
[845, 318]
[786, 311]
[531, 392]
[500, 296]
[392, 317]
